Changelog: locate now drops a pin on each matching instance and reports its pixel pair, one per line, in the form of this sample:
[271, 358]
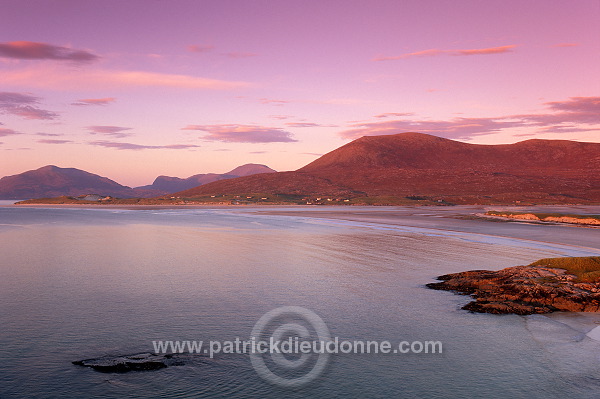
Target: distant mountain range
[167, 184]
[52, 181]
[414, 164]
[409, 166]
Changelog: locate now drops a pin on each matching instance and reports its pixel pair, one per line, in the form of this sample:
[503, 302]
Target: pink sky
[140, 88]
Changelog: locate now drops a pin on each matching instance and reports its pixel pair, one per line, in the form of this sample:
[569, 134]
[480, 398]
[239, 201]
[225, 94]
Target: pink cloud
[457, 128]
[436, 52]
[202, 48]
[23, 105]
[137, 147]
[389, 114]
[114, 131]
[424, 53]
[271, 101]
[95, 101]
[42, 51]
[302, 124]
[484, 51]
[243, 133]
[76, 79]
[29, 112]
[51, 141]
[48, 134]
[567, 116]
[566, 45]
[7, 132]
[280, 117]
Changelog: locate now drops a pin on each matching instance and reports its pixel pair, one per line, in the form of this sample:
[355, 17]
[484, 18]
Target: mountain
[52, 181]
[415, 164]
[168, 184]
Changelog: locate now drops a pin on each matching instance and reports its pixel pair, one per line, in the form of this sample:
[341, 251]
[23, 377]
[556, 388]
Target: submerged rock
[123, 364]
[522, 290]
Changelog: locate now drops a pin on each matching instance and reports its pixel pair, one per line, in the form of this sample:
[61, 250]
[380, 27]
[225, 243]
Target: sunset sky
[133, 89]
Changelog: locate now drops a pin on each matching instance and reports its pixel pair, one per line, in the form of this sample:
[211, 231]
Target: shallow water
[81, 283]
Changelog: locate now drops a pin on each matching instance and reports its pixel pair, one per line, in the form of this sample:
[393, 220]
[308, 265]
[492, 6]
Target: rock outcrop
[123, 364]
[522, 290]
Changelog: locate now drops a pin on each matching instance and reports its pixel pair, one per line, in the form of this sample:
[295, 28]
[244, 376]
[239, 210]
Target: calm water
[81, 283]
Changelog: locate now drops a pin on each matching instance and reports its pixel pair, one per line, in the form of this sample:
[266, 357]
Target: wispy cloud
[43, 51]
[7, 132]
[484, 51]
[458, 128]
[577, 114]
[114, 131]
[392, 114]
[566, 45]
[317, 154]
[24, 105]
[48, 134]
[94, 101]
[243, 133]
[200, 48]
[302, 124]
[437, 52]
[51, 141]
[271, 101]
[69, 79]
[137, 147]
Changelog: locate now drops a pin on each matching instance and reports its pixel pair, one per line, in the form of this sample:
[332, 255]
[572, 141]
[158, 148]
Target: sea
[80, 283]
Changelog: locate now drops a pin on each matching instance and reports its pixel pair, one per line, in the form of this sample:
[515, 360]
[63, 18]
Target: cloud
[29, 112]
[567, 116]
[458, 128]
[436, 52]
[302, 124]
[7, 132]
[202, 48]
[389, 114]
[280, 117]
[484, 51]
[50, 141]
[42, 51]
[575, 110]
[273, 102]
[23, 105]
[136, 147]
[48, 134]
[243, 133]
[9, 99]
[95, 101]
[424, 53]
[566, 45]
[114, 131]
[70, 79]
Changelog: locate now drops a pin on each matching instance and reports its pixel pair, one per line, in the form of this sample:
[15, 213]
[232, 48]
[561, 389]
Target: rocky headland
[548, 285]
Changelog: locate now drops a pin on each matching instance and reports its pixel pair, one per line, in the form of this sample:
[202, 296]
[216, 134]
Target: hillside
[52, 181]
[414, 164]
[168, 184]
